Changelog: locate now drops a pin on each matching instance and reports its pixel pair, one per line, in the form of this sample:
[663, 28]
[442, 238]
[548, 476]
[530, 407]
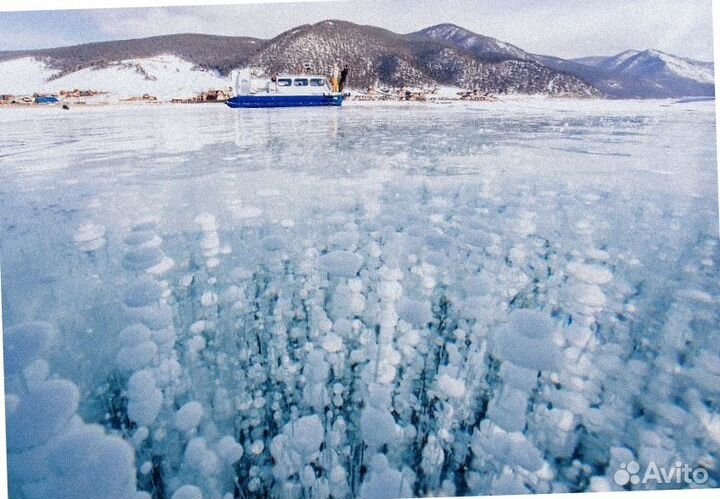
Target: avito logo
[629, 473]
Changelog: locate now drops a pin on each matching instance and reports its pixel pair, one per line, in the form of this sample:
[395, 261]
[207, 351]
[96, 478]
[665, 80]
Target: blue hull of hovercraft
[256, 101]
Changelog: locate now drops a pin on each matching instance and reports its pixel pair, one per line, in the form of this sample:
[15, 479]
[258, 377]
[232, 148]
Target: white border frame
[26, 5]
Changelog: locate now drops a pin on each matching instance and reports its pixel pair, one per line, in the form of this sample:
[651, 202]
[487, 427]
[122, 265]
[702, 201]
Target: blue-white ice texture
[369, 302]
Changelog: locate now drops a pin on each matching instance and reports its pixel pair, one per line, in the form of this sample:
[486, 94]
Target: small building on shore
[143, 98]
[214, 96]
[75, 93]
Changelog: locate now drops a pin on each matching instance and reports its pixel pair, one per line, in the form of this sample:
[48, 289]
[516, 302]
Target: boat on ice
[283, 90]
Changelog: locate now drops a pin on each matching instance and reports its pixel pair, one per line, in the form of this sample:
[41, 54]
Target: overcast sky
[565, 28]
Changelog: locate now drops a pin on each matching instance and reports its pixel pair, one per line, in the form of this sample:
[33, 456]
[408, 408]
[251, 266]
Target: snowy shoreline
[511, 100]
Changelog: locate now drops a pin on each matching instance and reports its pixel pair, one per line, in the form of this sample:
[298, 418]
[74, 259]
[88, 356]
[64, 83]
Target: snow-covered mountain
[220, 53]
[375, 55]
[378, 55]
[445, 54]
[483, 46]
[630, 74]
[164, 76]
[608, 63]
[652, 73]
[657, 64]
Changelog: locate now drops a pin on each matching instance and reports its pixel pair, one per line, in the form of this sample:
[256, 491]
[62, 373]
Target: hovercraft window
[284, 82]
[301, 82]
[317, 82]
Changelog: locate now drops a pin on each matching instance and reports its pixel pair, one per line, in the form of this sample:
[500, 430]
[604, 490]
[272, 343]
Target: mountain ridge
[665, 75]
[443, 54]
[653, 73]
[479, 44]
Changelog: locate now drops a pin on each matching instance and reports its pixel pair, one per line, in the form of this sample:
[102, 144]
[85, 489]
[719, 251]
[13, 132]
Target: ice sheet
[217, 281]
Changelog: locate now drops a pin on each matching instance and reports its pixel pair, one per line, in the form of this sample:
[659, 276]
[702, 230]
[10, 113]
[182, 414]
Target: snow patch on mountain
[653, 63]
[165, 77]
[24, 75]
[648, 74]
[460, 37]
[611, 63]
[685, 68]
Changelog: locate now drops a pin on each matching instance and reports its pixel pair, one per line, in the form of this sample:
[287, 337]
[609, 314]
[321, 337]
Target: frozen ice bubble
[188, 492]
[189, 416]
[143, 238]
[142, 258]
[41, 414]
[25, 343]
[341, 263]
[145, 291]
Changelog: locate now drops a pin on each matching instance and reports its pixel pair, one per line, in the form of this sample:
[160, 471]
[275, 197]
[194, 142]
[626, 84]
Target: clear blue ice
[373, 301]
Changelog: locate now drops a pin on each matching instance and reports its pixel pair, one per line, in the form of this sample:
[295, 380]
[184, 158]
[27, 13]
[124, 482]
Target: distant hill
[445, 54]
[652, 73]
[380, 56]
[375, 55]
[630, 74]
[220, 53]
[484, 47]
[607, 63]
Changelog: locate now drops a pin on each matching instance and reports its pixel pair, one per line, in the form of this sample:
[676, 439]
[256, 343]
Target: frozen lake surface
[373, 301]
